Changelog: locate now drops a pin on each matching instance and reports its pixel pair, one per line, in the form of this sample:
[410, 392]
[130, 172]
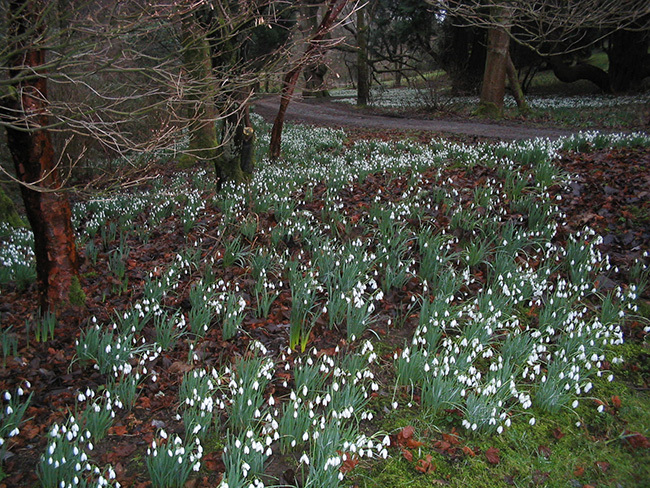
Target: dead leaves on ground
[450, 445]
[492, 455]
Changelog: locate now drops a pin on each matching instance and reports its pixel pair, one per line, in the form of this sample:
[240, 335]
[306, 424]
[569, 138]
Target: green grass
[555, 453]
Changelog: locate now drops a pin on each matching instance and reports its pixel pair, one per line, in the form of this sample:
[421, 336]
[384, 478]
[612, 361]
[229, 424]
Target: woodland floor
[610, 193]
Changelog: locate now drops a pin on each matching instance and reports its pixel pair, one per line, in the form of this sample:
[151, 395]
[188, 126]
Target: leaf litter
[610, 192]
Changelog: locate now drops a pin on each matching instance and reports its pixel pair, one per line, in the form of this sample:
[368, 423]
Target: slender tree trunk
[312, 52]
[46, 205]
[494, 78]
[515, 86]
[288, 87]
[363, 79]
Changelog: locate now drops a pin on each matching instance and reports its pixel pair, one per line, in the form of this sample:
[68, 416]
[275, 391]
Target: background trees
[553, 29]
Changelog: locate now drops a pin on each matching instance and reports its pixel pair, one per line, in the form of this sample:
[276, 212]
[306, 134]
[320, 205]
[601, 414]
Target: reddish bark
[311, 54]
[47, 207]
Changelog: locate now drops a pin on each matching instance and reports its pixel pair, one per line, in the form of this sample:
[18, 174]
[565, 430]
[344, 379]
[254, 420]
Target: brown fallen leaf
[557, 433]
[407, 432]
[579, 471]
[30, 430]
[117, 430]
[468, 451]
[425, 465]
[408, 455]
[213, 461]
[616, 402]
[350, 462]
[637, 440]
[452, 437]
[544, 451]
[603, 466]
[405, 438]
[492, 455]
[180, 367]
[442, 445]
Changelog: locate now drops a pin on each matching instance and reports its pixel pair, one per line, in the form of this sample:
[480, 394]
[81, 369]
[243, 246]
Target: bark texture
[363, 78]
[200, 94]
[494, 77]
[235, 161]
[46, 205]
[515, 86]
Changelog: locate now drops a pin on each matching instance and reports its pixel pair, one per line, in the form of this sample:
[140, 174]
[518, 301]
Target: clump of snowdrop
[170, 461]
[66, 461]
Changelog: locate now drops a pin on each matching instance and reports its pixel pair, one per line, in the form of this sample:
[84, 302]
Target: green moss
[76, 295]
[8, 211]
[489, 110]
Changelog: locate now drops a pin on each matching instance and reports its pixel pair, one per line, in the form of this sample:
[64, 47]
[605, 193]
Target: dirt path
[333, 114]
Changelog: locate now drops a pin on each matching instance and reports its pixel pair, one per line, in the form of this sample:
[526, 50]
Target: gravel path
[332, 114]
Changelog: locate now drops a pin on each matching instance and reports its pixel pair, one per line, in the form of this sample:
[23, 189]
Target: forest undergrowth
[374, 310]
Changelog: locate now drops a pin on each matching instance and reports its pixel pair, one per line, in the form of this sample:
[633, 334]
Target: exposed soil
[329, 113]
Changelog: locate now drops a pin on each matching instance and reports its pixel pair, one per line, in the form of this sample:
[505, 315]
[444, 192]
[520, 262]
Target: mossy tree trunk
[30, 144]
[8, 213]
[234, 162]
[201, 94]
[363, 77]
[515, 86]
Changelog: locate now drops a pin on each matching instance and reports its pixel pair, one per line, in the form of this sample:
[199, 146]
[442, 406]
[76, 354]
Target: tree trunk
[463, 56]
[515, 86]
[46, 205]
[363, 79]
[235, 159]
[315, 81]
[494, 78]
[200, 94]
[629, 61]
[288, 87]
[312, 53]
[581, 71]
[314, 72]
